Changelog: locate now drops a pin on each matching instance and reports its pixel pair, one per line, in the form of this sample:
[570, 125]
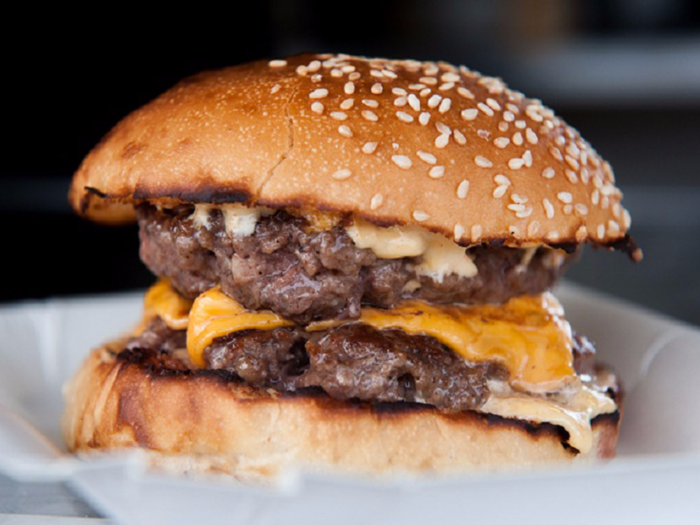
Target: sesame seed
[429, 81]
[508, 116]
[501, 142]
[348, 68]
[369, 147]
[503, 126]
[436, 172]
[395, 146]
[336, 73]
[349, 88]
[420, 216]
[581, 233]
[416, 87]
[595, 197]
[518, 199]
[424, 92]
[314, 66]
[522, 214]
[626, 219]
[460, 138]
[344, 130]
[565, 197]
[277, 63]
[572, 162]
[402, 161]
[339, 115]
[442, 140]
[501, 180]
[518, 139]
[568, 208]
[389, 74]
[464, 92]
[500, 191]
[616, 209]
[369, 115]
[469, 114]
[405, 117]
[318, 93]
[527, 157]
[414, 102]
[443, 128]
[342, 174]
[376, 201]
[532, 112]
[548, 173]
[573, 150]
[486, 109]
[377, 88]
[424, 118]
[531, 136]
[548, 208]
[463, 189]
[560, 140]
[573, 179]
[520, 124]
[585, 175]
[370, 103]
[317, 107]
[483, 134]
[476, 232]
[449, 77]
[376, 74]
[493, 104]
[355, 75]
[426, 157]
[458, 231]
[552, 236]
[275, 89]
[482, 162]
[400, 102]
[556, 153]
[347, 103]
[581, 209]
[533, 228]
[316, 78]
[600, 231]
[434, 101]
[399, 92]
[446, 86]
[516, 163]
[516, 207]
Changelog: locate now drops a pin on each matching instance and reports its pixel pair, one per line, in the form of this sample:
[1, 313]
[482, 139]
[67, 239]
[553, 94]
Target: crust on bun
[206, 422]
[396, 142]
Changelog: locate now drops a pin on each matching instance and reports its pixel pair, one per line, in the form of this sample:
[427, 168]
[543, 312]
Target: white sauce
[441, 256]
[239, 220]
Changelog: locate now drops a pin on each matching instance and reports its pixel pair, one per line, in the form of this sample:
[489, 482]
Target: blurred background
[626, 73]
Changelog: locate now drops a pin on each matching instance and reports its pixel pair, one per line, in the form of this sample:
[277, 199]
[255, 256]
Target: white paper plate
[656, 478]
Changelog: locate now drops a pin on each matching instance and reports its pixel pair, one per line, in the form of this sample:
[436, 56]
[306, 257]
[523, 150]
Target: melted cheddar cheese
[527, 335]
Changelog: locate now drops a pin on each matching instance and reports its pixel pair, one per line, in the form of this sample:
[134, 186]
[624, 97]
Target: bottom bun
[207, 421]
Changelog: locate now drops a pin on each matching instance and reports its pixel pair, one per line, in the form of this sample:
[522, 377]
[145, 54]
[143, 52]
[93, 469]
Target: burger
[353, 261]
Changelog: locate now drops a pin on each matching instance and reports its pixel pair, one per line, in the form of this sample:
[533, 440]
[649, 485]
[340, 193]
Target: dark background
[626, 73]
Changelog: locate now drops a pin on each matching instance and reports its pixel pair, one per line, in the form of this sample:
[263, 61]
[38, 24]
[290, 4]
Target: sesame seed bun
[397, 142]
[205, 422]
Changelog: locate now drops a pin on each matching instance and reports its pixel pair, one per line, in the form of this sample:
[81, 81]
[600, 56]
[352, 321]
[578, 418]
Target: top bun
[397, 142]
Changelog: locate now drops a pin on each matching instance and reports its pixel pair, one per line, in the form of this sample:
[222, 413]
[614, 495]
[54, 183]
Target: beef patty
[305, 275]
[352, 361]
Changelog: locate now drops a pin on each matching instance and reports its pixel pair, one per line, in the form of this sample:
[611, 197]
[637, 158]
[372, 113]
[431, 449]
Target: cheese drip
[214, 314]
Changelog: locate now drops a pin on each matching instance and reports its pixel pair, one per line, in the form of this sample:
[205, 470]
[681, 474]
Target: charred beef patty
[352, 361]
[305, 275]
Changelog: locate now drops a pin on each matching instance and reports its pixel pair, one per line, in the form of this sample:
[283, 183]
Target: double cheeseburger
[353, 260]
